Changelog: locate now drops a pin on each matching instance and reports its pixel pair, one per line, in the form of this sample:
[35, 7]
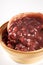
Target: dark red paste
[25, 34]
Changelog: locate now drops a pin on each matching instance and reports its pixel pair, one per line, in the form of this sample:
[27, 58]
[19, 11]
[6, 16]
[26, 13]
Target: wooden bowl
[21, 56]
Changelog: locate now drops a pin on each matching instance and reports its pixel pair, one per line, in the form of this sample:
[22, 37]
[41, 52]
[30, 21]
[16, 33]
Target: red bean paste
[25, 34]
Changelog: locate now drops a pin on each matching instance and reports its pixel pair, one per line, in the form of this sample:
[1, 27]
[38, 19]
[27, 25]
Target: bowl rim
[21, 15]
[17, 51]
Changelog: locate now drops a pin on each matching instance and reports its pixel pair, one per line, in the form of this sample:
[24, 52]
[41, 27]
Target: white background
[9, 8]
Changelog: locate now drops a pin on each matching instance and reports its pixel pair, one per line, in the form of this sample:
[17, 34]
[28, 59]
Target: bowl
[21, 56]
